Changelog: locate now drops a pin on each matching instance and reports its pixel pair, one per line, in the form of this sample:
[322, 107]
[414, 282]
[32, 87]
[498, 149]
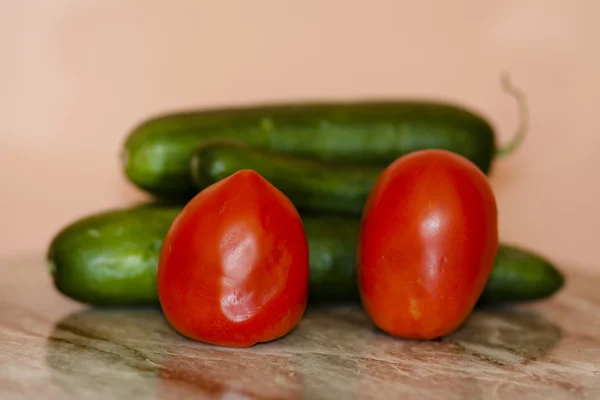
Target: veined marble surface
[54, 348]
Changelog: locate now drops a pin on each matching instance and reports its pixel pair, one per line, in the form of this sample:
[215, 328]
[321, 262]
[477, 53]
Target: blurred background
[76, 76]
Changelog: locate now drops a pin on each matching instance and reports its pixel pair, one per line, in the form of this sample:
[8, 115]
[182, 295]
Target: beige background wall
[76, 76]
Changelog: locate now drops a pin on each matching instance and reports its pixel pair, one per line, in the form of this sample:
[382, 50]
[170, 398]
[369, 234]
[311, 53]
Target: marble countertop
[54, 348]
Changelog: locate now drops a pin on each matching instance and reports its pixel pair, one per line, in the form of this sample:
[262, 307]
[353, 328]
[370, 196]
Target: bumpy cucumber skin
[110, 259]
[312, 185]
[157, 153]
[519, 276]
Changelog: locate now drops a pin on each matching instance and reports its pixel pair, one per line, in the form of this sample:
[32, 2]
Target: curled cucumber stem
[523, 111]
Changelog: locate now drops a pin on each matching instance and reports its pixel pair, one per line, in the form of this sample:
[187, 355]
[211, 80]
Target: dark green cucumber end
[156, 165]
[110, 258]
[207, 166]
[520, 275]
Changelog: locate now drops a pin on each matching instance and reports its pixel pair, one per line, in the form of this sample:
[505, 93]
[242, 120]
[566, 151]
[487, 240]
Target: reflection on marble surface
[54, 348]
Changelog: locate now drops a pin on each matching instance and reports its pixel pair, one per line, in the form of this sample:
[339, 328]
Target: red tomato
[427, 244]
[233, 269]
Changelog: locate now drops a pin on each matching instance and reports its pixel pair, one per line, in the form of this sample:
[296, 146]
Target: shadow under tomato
[506, 334]
[113, 352]
[134, 353]
[500, 339]
[219, 374]
[501, 334]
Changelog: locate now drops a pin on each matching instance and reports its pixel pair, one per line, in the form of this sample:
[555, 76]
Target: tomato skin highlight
[233, 269]
[427, 244]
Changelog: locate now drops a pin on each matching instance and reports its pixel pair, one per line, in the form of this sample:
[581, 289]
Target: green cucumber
[110, 259]
[156, 154]
[312, 185]
[521, 275]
